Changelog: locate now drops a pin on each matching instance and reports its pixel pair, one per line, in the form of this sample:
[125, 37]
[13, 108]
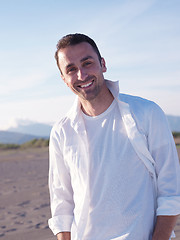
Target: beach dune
[24, 196]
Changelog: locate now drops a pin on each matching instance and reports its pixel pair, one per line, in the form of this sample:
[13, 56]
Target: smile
[86, 85]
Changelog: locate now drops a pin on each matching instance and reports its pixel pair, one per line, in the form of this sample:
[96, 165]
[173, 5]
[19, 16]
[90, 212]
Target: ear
[103, 64]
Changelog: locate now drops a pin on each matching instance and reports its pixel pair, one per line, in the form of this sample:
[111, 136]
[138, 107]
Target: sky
[140, 41]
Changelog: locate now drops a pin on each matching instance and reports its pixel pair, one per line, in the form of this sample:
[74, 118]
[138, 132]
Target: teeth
[86, 85]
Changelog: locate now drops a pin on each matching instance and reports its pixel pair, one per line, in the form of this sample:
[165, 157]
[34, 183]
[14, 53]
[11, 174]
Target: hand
[64, 236]
[164, 227]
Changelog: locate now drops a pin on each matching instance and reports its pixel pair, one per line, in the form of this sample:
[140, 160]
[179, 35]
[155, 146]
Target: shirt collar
[75, 112]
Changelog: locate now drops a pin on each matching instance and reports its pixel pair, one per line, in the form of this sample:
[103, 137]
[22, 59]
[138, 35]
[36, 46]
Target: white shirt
[70, 176]
[117, 178]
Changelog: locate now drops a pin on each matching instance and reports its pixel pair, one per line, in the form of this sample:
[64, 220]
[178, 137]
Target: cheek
[66, 81]
[69, 82]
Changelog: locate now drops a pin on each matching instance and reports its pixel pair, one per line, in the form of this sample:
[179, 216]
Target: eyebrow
[86, 58]
[69, 65]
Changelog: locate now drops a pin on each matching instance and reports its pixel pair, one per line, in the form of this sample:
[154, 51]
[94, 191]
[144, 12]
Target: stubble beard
[91, 94]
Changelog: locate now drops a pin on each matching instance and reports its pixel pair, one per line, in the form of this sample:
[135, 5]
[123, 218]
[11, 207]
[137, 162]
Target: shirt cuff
[168, 206]
[60, 223]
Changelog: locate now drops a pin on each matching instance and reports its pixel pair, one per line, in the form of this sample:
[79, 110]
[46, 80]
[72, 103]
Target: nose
[81, 74]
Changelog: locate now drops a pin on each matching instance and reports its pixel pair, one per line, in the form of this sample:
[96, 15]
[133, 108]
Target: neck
[97, 105]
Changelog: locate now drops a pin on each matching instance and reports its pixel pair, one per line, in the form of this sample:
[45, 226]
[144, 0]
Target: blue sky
[140, 41]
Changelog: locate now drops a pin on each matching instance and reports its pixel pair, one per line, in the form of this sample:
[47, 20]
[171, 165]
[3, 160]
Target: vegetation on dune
[176, 134]
[8, 146]
[35, 143]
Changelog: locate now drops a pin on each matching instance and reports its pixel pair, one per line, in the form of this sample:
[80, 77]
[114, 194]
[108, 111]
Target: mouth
[86, 85]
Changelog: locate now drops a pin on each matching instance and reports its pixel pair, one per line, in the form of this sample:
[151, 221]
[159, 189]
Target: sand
[24, 197]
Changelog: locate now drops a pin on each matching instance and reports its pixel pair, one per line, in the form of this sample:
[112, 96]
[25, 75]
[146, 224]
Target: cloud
[10, 83]
[43, 110]
[139, 40]
[22, 67]
[15, 122]
[119, 15]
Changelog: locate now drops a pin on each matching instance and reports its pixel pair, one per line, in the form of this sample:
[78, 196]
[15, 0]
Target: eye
[87, 63]
[71, 69]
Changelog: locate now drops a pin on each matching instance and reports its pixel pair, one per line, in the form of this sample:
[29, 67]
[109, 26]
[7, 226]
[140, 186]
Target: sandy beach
[24, 197]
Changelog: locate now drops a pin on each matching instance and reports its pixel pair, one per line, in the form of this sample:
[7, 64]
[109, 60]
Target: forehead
[75, 53]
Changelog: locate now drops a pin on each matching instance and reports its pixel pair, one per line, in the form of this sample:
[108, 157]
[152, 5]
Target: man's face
[81, 70]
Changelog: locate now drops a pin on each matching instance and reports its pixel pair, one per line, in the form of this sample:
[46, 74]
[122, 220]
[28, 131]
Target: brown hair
[73, 39]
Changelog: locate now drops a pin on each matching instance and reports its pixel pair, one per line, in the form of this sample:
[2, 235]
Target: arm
[163, 150]
[164, 227]
[64, 236]
[61, 192]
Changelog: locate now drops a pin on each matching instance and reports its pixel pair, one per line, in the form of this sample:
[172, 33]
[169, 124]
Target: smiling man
[82, 71]
[114, 172]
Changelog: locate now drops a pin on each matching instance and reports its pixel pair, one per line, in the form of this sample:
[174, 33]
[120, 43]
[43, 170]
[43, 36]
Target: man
[114, 171]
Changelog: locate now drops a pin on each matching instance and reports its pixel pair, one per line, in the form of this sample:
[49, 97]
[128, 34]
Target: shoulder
[145, 112]
[136, 102]
[63, 124]
[139, 105]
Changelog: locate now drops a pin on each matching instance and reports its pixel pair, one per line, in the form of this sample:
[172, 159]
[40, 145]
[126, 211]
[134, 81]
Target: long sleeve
[163, 150]
[61, 193]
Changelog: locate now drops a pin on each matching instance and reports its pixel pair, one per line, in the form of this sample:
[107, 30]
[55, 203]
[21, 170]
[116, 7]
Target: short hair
[73, 39]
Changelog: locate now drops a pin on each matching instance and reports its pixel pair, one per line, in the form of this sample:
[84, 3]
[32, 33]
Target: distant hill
[16, 138]
[174, 123]
[36, 129]
[23, 131]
